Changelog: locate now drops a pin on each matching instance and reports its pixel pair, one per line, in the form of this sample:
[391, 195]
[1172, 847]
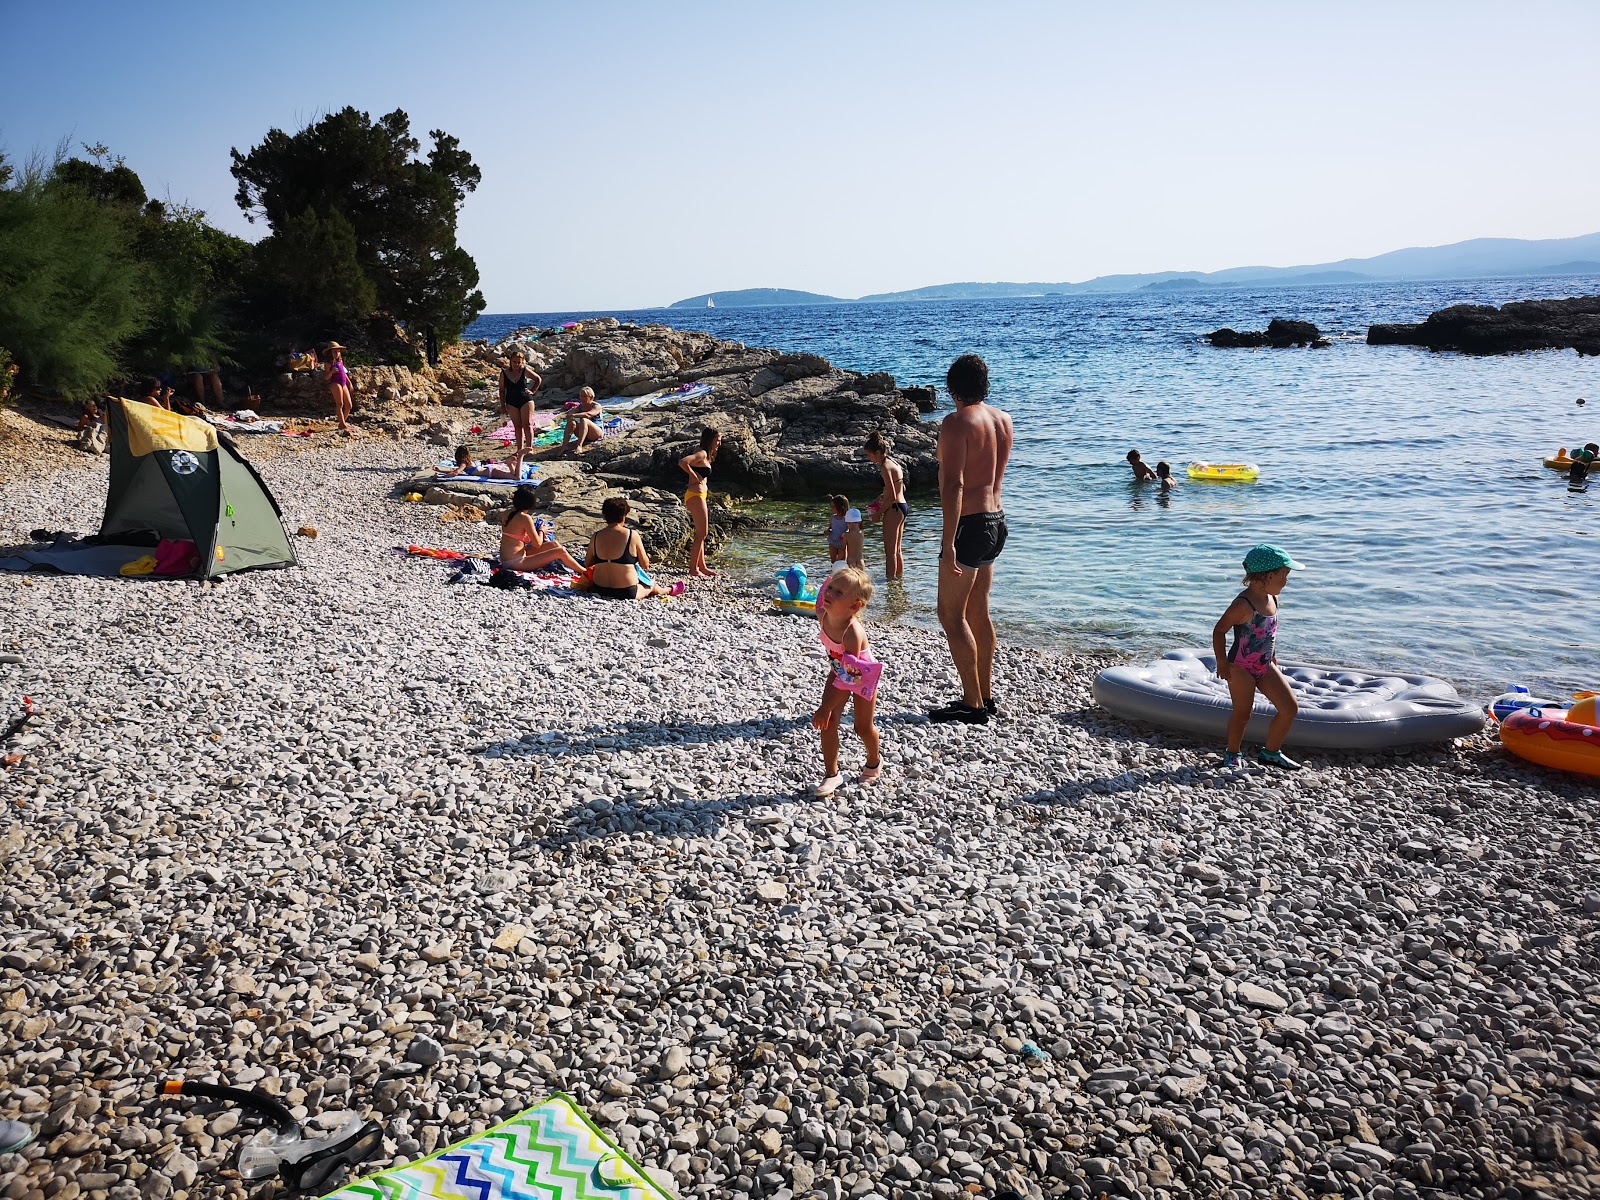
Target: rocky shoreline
[792, 424]
[1572, 324]
[367, 840]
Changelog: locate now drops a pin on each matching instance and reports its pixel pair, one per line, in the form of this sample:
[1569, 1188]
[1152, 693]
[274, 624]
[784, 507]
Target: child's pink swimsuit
[847, 677]
[1254, 642]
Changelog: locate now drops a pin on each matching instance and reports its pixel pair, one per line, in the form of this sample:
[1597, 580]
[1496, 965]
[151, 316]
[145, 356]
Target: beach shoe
[957, 711]
[1230, 761]
[828, 786]
[14, 1135]
[990, 707]
[871, 774]
[678, 588]
[1277, 758]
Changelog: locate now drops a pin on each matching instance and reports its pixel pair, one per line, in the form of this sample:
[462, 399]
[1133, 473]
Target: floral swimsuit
[1254, 646]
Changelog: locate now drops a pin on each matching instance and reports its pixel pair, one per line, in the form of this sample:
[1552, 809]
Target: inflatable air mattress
[1340, 708]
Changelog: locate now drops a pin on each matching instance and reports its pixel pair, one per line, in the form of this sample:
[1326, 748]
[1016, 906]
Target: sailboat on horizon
[710, 303]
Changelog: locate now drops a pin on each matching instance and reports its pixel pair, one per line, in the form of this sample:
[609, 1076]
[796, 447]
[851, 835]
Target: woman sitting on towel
[466, 466]
[522, 546]
[616, 555]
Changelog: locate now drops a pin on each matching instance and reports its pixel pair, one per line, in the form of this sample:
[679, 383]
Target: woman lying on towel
[616, 555]
[522, 546]
[466, 466]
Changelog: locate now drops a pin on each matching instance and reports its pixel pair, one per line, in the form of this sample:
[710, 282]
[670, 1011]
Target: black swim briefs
[979, 539]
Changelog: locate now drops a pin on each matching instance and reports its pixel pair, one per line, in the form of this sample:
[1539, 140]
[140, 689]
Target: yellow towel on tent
[140, 566]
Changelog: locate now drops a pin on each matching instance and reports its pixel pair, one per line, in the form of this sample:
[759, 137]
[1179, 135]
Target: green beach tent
[174, 475]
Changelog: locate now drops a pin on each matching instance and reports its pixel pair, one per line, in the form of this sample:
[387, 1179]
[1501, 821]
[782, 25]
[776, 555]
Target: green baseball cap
[1266, 557]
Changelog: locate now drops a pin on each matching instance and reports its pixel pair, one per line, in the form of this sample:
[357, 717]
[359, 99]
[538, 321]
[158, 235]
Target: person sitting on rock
[583, 422]
[522, 546]
[465, 465]
[617, 557]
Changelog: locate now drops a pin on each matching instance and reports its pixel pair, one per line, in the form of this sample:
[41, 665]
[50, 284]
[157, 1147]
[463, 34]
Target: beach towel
[244, 421]
[550, 1152]
[529, 471]
[507, 433]
[432, 552]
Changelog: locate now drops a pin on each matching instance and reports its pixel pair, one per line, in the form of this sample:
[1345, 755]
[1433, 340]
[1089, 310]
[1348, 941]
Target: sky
[638, 153]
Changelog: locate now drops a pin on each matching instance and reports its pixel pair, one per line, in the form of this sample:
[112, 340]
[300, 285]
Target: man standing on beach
[974, 447]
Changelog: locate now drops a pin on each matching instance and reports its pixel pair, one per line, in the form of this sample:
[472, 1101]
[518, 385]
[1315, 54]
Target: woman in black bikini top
[617, 577]
[697, 466]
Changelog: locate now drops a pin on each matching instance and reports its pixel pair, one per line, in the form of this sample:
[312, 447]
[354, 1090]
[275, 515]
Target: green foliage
[114, 185]
[71, 289]
[192, 271]
[306, 279]
[402, 208]
[8, 373]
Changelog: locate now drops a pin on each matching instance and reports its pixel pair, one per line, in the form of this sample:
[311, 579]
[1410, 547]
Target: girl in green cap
[1253, 661]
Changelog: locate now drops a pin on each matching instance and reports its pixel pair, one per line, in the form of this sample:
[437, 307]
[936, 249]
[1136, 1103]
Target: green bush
[8, 373]
[71, 289]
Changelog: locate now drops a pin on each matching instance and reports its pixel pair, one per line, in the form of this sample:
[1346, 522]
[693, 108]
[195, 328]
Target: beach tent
[174, 475]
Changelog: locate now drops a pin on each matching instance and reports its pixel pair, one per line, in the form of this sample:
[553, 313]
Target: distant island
[753, 297]
[1476, 259]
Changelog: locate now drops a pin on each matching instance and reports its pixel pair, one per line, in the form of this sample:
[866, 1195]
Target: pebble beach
[369, 840]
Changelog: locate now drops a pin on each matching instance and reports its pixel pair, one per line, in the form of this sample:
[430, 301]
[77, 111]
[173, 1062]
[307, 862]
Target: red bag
[176, 558]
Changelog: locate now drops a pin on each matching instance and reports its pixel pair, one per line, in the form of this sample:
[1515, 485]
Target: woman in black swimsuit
[697, 467]
[615, 555]
[518, 386]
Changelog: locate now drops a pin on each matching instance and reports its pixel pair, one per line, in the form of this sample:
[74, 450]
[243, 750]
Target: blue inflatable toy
[794, 595]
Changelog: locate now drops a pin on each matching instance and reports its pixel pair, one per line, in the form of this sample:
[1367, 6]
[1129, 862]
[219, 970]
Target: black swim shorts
[979, 539]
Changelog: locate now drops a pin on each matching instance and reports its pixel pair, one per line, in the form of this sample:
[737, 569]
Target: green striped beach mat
[552, 1151]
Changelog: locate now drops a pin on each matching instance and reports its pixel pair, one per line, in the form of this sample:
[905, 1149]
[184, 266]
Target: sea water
[1409, 483]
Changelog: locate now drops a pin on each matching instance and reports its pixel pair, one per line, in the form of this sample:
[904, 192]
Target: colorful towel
[550, 1152]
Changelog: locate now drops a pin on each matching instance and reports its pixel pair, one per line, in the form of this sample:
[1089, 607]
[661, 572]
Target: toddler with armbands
[852, 672]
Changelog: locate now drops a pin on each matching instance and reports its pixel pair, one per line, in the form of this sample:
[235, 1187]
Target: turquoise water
[1409, 483]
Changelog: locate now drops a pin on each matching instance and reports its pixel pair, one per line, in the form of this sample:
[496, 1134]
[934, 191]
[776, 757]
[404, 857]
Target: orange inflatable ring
[1567, 741]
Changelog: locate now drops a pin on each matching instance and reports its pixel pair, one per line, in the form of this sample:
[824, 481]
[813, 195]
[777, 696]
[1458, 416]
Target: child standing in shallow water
[839, 604]
[1253, 661]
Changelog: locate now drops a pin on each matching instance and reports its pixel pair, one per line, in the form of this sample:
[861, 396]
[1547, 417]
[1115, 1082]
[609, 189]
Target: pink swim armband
[858, 675]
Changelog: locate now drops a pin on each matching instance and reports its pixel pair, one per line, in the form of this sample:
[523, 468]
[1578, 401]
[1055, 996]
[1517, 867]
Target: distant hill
[1176, 285]
[1476, 259]
[753, 297]
[970, 291]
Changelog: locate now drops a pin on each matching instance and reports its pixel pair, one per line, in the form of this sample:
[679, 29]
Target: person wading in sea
[974, 447]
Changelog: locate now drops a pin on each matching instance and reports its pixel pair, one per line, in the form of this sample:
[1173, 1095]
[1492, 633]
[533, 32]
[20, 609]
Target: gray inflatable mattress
[1340, 708]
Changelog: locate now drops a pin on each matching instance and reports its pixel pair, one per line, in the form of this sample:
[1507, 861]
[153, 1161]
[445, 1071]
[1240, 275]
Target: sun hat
[332, 346]
[1267, 557]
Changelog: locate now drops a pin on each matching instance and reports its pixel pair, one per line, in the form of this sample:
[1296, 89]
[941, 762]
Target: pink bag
[176, 558]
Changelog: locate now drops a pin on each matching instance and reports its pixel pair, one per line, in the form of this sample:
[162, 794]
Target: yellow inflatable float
[1567, 741]
[1224, 472]
[1560, 461]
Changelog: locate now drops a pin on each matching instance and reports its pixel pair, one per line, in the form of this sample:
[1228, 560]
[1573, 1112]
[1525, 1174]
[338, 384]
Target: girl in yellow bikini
[697, 467]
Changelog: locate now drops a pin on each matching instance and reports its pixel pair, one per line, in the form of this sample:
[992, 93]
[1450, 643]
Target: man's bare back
[975, 446]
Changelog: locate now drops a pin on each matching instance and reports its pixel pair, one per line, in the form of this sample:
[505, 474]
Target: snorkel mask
[305, 1164]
